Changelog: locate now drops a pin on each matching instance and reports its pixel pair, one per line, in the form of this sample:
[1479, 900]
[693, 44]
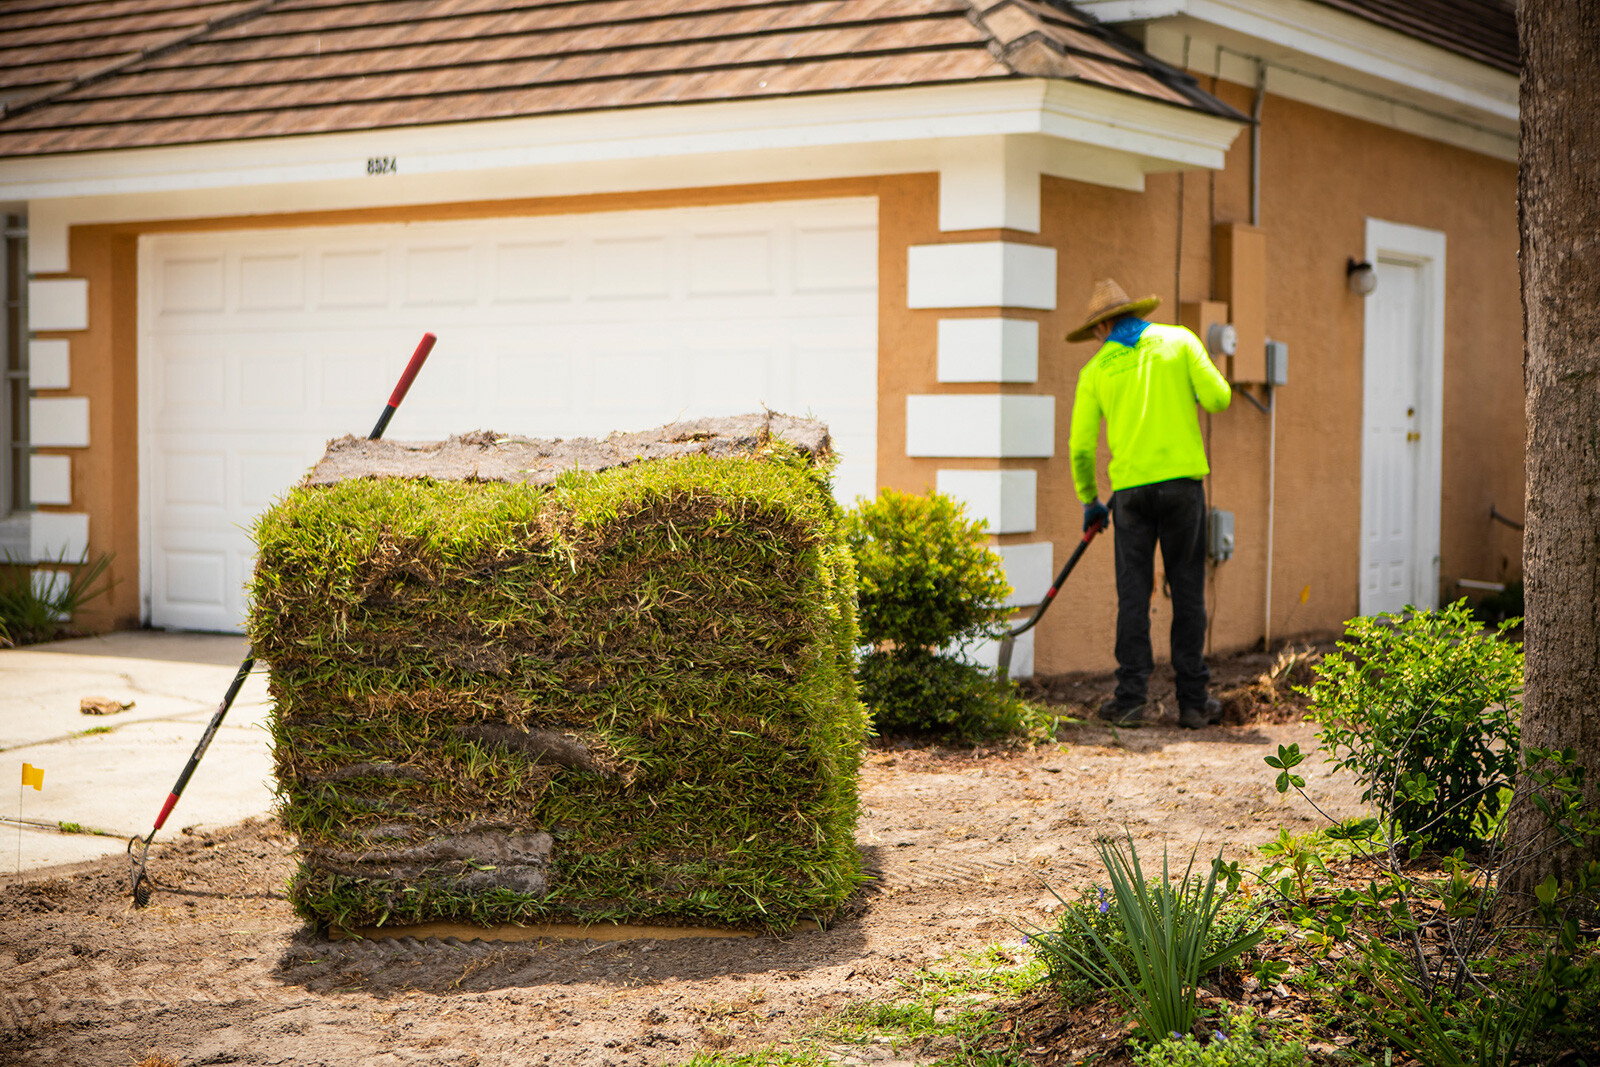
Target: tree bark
[1558, 196]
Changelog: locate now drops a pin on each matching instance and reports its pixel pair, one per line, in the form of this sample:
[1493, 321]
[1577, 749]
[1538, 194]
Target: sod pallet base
[549, 932]
[520, 683]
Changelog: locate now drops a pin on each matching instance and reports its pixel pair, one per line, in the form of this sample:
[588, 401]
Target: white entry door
[1401, 421]
[257, 347]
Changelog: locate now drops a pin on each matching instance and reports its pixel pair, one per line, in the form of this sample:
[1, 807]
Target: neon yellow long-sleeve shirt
[1146, 394]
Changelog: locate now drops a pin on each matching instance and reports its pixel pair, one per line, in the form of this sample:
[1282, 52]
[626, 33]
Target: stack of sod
[529, 682]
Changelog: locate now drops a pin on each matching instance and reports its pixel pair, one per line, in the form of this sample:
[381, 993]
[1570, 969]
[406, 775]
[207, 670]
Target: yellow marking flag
[33, 776]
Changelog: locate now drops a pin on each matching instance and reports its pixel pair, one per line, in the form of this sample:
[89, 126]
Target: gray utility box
[1219, 535]
[1277, 363]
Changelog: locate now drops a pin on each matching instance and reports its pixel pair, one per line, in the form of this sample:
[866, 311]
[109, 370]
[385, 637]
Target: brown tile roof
[1484, 30]
[84, 75]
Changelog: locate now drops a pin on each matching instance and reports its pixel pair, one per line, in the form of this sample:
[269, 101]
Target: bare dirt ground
[964, 843]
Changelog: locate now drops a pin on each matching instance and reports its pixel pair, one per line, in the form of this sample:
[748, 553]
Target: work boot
[1208, 714]
[1117, 713]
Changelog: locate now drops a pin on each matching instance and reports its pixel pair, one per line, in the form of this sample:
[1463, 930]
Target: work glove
[1095, 514]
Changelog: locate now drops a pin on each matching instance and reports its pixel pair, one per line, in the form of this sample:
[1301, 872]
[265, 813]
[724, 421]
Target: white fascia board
[1323, 49]
[1163, 136]
[914, 121]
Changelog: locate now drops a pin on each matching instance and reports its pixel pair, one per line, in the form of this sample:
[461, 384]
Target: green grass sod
[627, 695]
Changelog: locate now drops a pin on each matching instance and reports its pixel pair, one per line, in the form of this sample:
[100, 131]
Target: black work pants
[1173, 515]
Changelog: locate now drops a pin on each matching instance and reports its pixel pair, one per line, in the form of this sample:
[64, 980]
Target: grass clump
[34, 610]
[626, 695]
[1149, 940]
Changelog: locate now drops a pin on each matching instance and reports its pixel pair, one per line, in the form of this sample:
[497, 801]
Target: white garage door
[256, 347]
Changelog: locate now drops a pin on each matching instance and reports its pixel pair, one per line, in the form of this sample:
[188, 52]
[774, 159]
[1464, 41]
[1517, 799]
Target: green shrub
[30, 614]
[1163, 935]
[1234, 1044]
[927, 579]
[929, 583]
[912, 691]
[1423, 707]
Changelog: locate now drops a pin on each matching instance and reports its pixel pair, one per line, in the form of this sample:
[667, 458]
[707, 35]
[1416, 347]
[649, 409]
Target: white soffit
[792, 138]
[1334, 60]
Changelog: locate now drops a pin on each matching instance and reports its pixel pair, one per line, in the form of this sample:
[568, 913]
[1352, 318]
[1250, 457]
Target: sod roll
[528, 681]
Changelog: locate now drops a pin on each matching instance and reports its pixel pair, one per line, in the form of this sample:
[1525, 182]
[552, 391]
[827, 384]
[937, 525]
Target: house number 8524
[381, 165]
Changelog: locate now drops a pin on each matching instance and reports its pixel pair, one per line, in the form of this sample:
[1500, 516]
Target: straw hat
[1110, 301]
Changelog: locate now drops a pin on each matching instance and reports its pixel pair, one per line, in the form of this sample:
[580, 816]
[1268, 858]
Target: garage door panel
[835, 259]
[271, 281]
[257, 347]
[531, 272]
[442, 276]
[352, 278]
[193, 479]
[724, 264]
[629, 268]
[272, 381]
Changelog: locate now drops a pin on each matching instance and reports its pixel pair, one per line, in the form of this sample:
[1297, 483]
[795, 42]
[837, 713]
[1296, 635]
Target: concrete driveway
[106, 776]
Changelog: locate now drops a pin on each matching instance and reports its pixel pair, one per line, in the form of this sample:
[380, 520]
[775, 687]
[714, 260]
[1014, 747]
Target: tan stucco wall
[1322, 176]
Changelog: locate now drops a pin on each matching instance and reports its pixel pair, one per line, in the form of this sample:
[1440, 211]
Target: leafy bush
[1234, 1044]
[29, 613]
[926, 577]
[926, 581]
[1424, 707]
[914, 691]
[1163, 936]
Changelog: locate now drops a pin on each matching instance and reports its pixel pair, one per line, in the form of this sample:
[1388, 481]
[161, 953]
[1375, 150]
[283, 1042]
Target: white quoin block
[989, 184]
[986, 653]
[1006, 500]
[989, 427]
[1030, 570]
[58, 422]
[50, 479]
[58, 537]
[58, 304]
[49, 365]
[988, 350]
[977, 274]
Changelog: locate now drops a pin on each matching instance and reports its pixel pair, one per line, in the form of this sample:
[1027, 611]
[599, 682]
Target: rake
[142, 885]
[1009, 639]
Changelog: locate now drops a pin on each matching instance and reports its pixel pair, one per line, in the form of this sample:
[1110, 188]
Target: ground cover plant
[1149, 940]
[620, 693]
[34, 610]
[929, 585]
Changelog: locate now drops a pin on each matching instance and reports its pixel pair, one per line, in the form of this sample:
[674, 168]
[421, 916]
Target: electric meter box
[1219, 535]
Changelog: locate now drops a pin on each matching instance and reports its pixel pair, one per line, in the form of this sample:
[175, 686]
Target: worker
[1144, 383]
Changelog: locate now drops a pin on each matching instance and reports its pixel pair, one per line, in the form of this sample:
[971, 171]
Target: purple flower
[1104, 905]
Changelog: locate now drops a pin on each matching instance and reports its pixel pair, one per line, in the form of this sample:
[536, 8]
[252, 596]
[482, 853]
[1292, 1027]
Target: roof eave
[858, 132]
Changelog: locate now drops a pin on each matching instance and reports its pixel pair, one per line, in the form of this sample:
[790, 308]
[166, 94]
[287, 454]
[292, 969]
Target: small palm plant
[1162, 937]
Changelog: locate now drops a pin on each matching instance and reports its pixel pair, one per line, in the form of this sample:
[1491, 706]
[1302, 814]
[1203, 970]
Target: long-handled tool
[1009, 639]
[141, 887]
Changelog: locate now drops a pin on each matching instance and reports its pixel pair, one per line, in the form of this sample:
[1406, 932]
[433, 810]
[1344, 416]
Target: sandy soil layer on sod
[218, 969]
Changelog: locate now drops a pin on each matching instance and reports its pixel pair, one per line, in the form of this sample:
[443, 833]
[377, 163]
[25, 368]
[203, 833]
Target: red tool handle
[418, 358]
